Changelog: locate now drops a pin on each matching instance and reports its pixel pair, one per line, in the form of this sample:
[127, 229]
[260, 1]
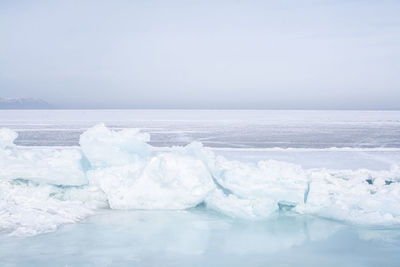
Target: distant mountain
[23, 103]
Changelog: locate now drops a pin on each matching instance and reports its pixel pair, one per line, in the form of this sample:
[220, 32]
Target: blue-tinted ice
[199, 238]
[275, 188]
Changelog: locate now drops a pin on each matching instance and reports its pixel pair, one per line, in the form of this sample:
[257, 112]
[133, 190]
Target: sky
[299, 54]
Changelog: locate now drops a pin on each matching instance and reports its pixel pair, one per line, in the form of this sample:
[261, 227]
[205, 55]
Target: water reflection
[199, 238]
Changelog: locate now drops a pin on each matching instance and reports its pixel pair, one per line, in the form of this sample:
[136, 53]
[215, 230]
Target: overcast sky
[202, 54]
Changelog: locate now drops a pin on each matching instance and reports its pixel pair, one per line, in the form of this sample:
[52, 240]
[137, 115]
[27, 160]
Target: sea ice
[56, 166]
[42, 188]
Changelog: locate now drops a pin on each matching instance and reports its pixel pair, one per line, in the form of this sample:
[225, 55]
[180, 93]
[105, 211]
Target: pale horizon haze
[202, 54]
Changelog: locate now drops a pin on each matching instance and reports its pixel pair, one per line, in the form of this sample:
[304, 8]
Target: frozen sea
[265, 188]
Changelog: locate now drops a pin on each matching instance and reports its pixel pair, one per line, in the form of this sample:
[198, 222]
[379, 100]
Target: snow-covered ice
[212, 183]
[118, 169]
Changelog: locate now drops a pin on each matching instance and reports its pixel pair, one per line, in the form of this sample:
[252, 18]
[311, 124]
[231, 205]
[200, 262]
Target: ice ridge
[42, 188]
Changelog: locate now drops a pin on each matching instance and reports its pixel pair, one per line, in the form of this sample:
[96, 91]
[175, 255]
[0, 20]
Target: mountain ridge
[23, 103]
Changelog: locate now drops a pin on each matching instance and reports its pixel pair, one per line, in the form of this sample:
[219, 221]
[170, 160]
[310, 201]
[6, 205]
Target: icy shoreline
[43, 188]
